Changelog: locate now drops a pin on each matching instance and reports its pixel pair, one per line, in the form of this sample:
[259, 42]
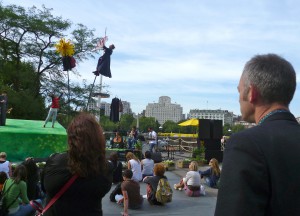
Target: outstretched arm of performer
[61, 94]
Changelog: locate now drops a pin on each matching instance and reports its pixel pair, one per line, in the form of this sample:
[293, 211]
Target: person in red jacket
[53, 109]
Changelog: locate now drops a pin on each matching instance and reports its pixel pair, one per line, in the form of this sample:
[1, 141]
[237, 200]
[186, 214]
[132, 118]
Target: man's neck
[262, 111]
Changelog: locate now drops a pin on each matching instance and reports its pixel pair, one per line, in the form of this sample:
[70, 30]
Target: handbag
[39, 208]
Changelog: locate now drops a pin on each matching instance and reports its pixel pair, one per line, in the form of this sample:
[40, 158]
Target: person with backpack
[158, 188]
[191, 183]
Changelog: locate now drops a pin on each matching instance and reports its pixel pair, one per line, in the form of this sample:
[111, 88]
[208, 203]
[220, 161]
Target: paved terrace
[181, 204]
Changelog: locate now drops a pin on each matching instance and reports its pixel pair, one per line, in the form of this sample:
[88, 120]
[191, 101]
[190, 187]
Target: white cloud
[193, 50]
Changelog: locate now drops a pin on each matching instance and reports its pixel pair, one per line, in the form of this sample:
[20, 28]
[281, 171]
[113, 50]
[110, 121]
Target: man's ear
[253, 94]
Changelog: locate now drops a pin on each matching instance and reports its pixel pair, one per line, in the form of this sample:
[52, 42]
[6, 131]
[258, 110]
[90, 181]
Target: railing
[181, 144]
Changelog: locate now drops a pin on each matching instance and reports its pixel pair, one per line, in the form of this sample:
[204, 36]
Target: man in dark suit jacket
[261, 165]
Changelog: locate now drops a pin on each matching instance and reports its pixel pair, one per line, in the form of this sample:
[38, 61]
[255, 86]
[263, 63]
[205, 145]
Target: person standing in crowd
[260, 169]
[134, 165]
[85, 158]
[16, 200]
[147, 165]
[132, 137]
[212, 174]
[53, 109]
[131, 197]
[3, 107]
[191, 183]
[152, 137]
[5, 165]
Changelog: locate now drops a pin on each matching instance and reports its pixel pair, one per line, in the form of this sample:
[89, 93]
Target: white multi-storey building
[126, 108]
[105, 107]
[164, 110]
[224, 115]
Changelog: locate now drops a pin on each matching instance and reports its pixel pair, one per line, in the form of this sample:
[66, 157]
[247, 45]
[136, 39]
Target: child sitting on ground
[130, 197]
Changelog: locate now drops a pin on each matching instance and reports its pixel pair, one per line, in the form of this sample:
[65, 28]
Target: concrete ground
[180, 205]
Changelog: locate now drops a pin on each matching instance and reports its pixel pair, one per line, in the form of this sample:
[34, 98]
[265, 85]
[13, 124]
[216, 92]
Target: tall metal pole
[99, 100]
[68, 97]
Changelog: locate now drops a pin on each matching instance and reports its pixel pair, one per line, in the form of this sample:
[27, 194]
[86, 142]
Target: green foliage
[228, 129]
[170, 126]
[146, 122]
[199, 153]
[106, 124]
[27, 39]
[169, 162]
[126, 121]
[25, 104]
[138, 145]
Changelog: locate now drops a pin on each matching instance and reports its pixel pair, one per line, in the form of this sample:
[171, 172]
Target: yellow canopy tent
[190, 122]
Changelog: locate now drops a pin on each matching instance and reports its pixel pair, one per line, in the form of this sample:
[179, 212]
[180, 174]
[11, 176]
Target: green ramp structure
[28, 138]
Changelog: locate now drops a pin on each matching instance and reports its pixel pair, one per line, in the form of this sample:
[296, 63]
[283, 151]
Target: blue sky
[190, 50]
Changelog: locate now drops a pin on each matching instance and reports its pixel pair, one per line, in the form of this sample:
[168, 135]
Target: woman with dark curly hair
[86, 159]
[33, 179]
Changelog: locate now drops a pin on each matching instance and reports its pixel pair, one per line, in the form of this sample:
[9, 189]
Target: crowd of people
[256, 165]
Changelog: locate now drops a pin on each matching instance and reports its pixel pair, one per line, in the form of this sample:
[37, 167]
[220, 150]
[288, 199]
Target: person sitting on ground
[147, 165]
[134, 165]
[152, 183]
[5, 165]
[212, 174]
[85, 159]
[3, 178]
[131, 197]
[191, 183]
[117, 168]
[15, 189]
[117, 141]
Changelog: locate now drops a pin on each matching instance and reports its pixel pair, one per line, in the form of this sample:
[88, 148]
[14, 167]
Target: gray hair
[273, 77]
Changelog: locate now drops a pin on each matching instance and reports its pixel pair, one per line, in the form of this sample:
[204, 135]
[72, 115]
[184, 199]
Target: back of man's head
[273, 77]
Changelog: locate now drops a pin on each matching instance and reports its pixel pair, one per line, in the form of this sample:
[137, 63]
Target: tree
[238, 128]
[146, 122]
[170, 126]
[24, 105]
[227, 129]
[28, 36]
[107, 124]
[126, 121]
